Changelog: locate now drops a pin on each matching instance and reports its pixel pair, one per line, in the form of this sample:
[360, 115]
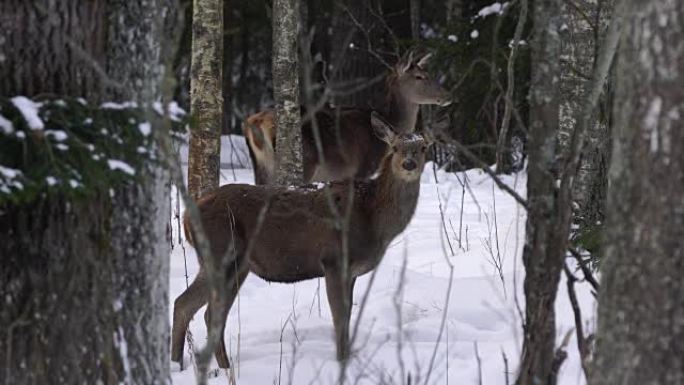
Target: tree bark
[85, 282]
[641, 306]
[29, 62]
[289, 161]
[206, 99]
[585, 25]
[541, 255]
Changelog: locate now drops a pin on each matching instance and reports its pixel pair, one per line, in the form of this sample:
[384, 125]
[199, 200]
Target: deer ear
[424, 60]
[381, 128]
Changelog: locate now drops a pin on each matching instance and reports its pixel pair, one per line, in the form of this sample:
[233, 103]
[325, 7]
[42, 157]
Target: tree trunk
[289, 162]
[206, 99]
[85, 281]
[31, 64]
[641, 306]
[581, 40]
[541, 256]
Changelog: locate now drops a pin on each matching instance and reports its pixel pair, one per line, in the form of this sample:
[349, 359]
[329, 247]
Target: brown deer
[349, 148]
[298, 236]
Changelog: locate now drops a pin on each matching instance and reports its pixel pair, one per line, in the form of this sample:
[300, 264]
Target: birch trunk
[641, 303]
[85, 282]
[541, 255]
[289, 161]
[206, 98]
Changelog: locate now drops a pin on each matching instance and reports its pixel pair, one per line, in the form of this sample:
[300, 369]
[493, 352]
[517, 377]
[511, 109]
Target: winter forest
[400, 192]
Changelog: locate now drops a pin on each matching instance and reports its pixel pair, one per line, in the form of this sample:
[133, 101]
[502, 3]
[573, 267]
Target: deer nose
[409, 165]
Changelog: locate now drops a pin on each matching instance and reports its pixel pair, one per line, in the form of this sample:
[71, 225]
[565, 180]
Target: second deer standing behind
[299, 235]
[348, 147]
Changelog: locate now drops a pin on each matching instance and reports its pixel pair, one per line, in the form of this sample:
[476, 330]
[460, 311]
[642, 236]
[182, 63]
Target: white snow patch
[116, 164]
[6, 126]
[495, 8]
[452, 38]
[175, 111]
[57, 135]
[74, 183]
[9, 173]
[158, 108]
[51, 180]
[29, 109]
[21, 134]
[145, 128]
[62, 147]
[474, 34]
[119, 106]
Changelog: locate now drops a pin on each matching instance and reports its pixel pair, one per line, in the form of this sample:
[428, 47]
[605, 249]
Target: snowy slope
[480, 313]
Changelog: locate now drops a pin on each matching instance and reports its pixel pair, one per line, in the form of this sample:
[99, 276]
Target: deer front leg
[340, 301]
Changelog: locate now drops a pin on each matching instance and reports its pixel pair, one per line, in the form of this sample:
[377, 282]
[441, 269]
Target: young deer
[299, 236]
[349, 148]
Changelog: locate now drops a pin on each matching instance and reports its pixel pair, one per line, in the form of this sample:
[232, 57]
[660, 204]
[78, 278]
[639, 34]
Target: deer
[298, 237]
[349, 148]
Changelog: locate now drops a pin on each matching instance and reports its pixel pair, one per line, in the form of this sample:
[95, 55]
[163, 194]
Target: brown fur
[299, 238]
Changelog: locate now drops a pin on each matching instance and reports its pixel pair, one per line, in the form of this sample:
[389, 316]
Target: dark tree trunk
[641, 303]
[544, 247]
[85, 282]
[53, 48]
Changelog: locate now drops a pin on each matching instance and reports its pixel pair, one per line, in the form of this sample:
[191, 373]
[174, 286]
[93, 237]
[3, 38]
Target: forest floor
[412, 323]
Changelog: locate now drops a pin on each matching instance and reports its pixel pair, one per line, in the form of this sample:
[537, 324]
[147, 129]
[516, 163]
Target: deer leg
[220, 352]
[185, 306]
[339, 299]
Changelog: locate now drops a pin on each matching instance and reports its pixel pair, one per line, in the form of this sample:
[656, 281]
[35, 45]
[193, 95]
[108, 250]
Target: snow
[175, 111]
[484, 227]
[474, 34]
[51, 180]
[495, 8]
[234, 152]
[118, 106]
[452, 38]
[116, 164]
[145, 128]
[6, 126]
[9, 173]
[58, 135]
[29, 109]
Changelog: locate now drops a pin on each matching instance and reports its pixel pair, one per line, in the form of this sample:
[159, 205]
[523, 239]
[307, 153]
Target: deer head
[413, 82]
[407, 151]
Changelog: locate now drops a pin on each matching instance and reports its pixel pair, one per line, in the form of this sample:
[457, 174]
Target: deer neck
[394, 202]
[402, 113]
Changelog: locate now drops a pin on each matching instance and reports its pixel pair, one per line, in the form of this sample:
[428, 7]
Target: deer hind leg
[221, 309]
[340, 297]
[185, 306]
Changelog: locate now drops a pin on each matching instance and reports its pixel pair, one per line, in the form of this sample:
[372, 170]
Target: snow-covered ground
[400, 328]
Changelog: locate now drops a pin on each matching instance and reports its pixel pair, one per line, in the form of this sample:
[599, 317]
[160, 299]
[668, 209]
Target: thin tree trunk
[289, 162]
[227, 68]
[541, 258]
[206, 99]
[84, 281]
[641, 303]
